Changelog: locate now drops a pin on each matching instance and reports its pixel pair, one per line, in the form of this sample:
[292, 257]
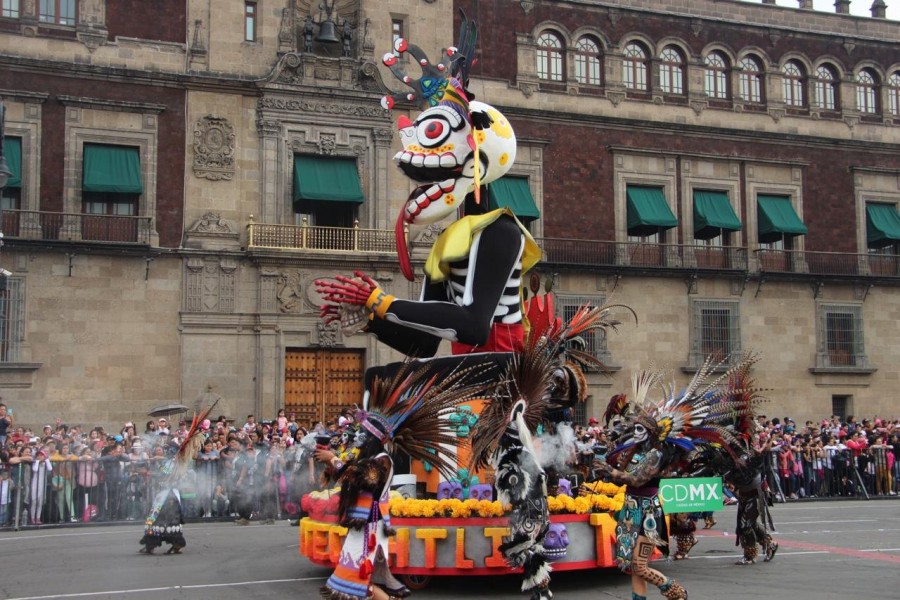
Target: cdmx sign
[691, 494]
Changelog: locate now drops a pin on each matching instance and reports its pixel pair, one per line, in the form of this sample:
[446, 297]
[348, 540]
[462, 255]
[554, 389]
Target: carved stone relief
[210, 284]
[212, 222]
[327, 334]
[289, 292]
[214, 148]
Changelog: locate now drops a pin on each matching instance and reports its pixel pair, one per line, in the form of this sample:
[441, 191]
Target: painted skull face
[482, 491]
[448, 490]
[565, 487]
[640, 433]
[556, 542]
[439, 152]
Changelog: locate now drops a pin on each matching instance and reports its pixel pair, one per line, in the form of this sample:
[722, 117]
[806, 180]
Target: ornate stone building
[185, 175]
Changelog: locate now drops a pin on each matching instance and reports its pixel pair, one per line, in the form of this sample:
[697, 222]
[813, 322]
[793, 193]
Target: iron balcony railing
[308, 237]
[828, 263]
[588, 253]
[76, 227]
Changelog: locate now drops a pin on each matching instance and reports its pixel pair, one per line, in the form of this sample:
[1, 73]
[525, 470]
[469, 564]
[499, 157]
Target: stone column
[269, 155]
[842, 7]
[879, 9]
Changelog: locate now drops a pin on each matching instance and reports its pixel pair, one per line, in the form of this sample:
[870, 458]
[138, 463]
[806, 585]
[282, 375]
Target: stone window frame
[147, 141]
[872, 188]
[696, 356]
[580, 55]
[29, 130]
[623, 177]
[724, 71]
[763, 62]
[731, 186]
[875, 89]
[823, 359]
[647, 47]
[817, 84]
[892, 92]
[529, 163]
[801, 82]
[757, 187]
[554, 56]
[328, 142]
[679, 69]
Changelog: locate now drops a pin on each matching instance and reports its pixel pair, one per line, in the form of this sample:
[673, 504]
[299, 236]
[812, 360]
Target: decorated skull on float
[556, 542]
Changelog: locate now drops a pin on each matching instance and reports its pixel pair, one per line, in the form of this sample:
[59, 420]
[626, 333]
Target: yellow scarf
[455, 243]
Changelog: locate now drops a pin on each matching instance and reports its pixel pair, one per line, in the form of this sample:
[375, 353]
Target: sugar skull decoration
[482, 491]
[565, 487]
[463, 420]
[449, 490]
[556, 542]
[452, 148]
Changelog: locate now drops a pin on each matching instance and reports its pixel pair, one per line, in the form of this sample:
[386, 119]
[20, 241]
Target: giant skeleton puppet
[471, 294]
[656, 439]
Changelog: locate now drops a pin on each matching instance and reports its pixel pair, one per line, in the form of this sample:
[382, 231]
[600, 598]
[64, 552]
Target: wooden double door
[320, 383]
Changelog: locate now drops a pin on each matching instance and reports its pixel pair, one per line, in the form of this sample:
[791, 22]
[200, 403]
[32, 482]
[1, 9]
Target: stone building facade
[226, 102]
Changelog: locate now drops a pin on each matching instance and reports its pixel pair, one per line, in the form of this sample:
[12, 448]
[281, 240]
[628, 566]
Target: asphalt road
[828, 551]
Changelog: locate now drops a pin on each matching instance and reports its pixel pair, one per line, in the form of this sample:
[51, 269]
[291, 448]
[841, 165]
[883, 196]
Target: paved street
[829, 551]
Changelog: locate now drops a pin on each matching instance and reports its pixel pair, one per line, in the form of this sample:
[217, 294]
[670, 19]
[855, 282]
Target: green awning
[777, 219]
[12, 151]
[713, 213]
[882, 225]
[115, 169]
[648, 211]
[326, 179]
[513, 193]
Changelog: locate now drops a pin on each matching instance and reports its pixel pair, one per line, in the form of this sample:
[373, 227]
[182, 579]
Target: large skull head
[439, 152]
[556, 542]
[565, 487]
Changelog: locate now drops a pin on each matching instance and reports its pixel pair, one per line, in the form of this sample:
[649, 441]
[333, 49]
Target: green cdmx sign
[691, 494]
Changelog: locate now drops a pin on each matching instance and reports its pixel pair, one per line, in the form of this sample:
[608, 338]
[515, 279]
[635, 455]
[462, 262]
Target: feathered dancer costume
[657, 437]
[407, 413]
[165, 521]
[502, 439]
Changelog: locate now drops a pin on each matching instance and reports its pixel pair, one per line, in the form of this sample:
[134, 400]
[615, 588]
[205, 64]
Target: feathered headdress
[409, 411]
[703, 412]
[193, 440]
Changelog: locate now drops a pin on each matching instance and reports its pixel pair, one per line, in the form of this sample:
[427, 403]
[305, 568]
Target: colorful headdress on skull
[411, 410]
[702, 413]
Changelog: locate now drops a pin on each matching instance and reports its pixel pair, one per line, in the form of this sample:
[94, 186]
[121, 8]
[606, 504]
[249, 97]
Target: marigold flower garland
[600, 497]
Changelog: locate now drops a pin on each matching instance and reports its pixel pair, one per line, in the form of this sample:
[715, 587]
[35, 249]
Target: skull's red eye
[434, 130]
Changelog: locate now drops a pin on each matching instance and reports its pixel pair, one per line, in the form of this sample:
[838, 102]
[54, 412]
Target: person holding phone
[6, 422]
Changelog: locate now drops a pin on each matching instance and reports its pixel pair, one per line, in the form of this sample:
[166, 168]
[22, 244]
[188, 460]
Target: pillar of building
[879, 9]
[842, 7]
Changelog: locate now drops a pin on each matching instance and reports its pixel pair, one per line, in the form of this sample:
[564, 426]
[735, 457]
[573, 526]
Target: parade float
[456, 537]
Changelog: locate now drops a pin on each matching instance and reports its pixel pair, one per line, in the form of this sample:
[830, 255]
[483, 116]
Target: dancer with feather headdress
[502, 438]
[166, 518]
[657, 437]
[407, 412]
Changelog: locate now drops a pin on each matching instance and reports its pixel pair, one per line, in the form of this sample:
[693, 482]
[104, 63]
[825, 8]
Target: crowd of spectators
[261, 470]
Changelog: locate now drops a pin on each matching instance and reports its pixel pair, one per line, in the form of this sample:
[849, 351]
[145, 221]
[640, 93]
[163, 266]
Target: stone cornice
[116, 105]
[20, 96]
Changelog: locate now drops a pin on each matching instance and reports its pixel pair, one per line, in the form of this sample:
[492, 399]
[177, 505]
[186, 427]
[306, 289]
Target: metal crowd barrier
[832, 473]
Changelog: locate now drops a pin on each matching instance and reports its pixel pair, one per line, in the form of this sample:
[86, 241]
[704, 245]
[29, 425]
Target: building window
[396, 33]
[826, 88]
[549, 57]
[671, 71]
[58, 12]
[716, 331]
[12, 319]
[792, 74]
[587, 61]
[592, 342]
[634, 68]
[751, 80]
[249, 21]
[716, 76]
[894, 94]
[866, 92]
[841, 336]
[10, 9]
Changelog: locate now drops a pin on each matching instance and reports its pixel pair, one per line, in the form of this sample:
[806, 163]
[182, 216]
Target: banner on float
[691, 494]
